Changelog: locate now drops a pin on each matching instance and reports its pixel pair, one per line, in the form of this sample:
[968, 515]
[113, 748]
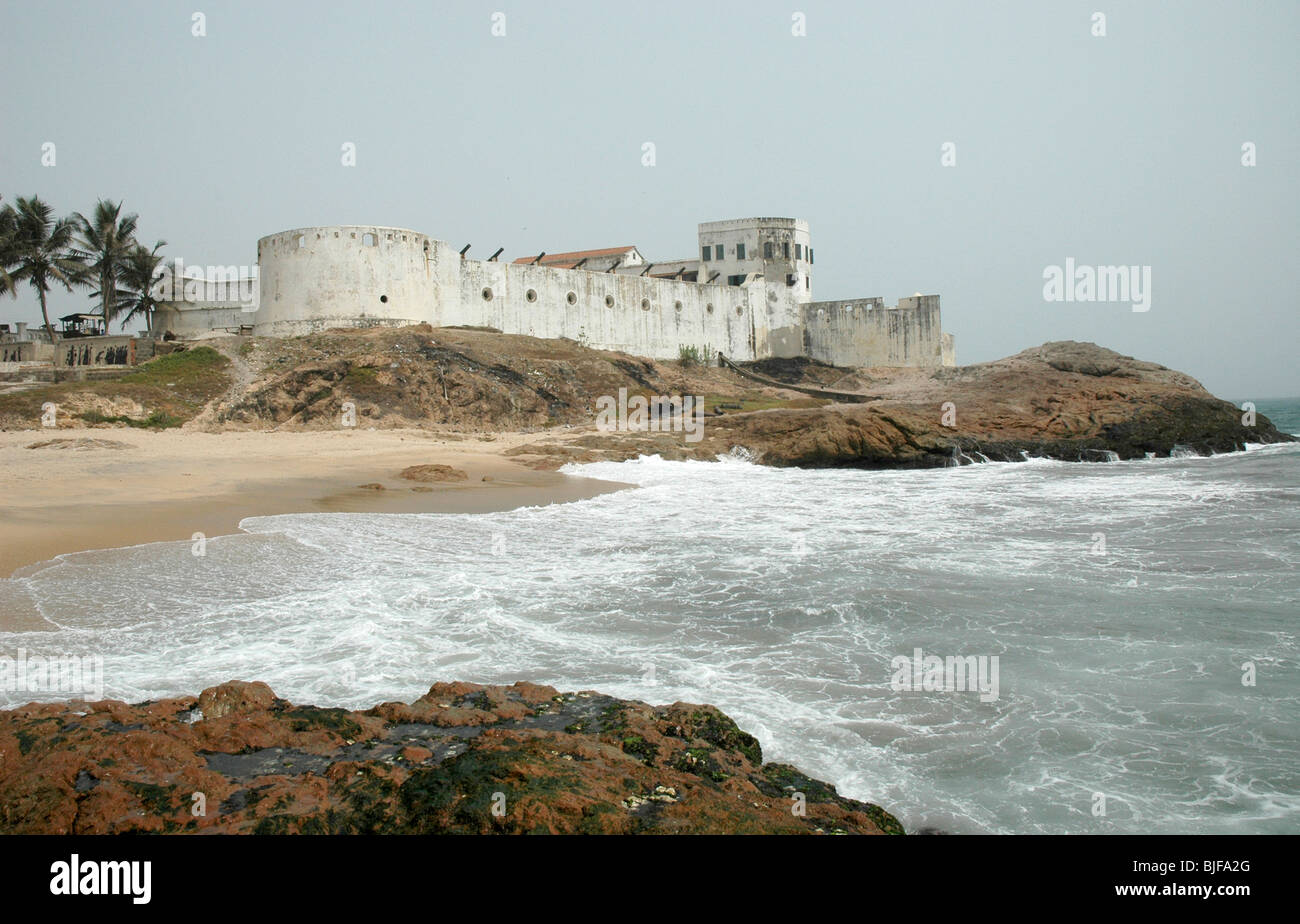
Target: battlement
[748, 295]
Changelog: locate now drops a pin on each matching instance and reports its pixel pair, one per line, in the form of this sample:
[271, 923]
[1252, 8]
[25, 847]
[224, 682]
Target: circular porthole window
[487, 294]
[609, 301]
[572, 298]
[677, 306]
[384, 299]
[645, 304]
[709, 308]
[531, 295]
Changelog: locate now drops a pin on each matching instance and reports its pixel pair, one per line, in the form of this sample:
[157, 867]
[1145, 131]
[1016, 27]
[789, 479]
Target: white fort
[746, 294]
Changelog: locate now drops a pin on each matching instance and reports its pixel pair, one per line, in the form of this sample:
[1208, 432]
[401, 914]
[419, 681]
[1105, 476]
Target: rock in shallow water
[463, 758]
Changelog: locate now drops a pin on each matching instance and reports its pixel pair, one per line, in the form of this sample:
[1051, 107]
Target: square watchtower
[777, 249]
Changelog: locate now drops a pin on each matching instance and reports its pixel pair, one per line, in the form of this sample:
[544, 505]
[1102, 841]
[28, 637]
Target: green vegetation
[477, 700]
[157, 800]
[701, 762]
[37, 248]
[157, 420]
[719, 729]
[613, 717]
[25, 740]
[275, 824]
[100, 253]
[689, 356]
[360, 375]
[310, 718]
[780, 780]
[173, 388]
[457, 796]
[641, 749]
[189, 372]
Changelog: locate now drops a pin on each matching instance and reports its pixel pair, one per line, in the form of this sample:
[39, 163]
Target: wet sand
[165, 486]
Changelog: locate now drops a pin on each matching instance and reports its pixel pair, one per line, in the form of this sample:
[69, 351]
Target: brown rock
[416, 755]
[562, 763]
[432, 473]
[235, 698]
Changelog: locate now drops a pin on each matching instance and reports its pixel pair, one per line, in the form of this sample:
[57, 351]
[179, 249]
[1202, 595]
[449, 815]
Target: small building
[192, 301]
[82, 325]
[601, 260]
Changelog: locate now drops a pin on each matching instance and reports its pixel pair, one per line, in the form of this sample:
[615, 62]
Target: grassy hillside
[164, 392]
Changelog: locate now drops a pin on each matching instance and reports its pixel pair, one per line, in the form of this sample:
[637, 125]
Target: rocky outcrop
[463, 758]
[1066, 400]
[1063, 400]
[432, 473]
[419, 376]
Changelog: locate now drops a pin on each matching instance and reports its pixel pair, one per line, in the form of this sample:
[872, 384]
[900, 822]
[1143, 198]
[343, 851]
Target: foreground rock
[463, 758]
[1065, 400]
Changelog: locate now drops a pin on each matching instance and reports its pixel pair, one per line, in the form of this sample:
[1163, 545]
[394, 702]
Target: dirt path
[242, 373]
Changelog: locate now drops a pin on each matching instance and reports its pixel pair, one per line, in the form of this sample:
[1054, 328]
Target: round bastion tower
[346, 276]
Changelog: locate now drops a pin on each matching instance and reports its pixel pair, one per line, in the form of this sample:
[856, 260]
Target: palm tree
[138, 275]
[8, 230]
[105, 240]
[42, 254]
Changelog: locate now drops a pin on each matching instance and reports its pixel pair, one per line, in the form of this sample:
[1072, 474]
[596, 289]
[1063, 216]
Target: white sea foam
[782, 596]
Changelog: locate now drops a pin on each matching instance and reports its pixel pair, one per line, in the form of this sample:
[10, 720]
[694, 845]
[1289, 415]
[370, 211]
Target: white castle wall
[189, 320]
[357, 276]
[864, 332]
[635, 314]
[314, 278]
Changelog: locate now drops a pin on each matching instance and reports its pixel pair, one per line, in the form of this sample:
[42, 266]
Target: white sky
[1123, 149]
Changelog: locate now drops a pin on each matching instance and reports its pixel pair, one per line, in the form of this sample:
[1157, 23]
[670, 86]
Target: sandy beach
[148, 486]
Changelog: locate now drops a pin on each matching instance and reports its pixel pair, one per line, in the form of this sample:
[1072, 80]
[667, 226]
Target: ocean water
[1125, 602]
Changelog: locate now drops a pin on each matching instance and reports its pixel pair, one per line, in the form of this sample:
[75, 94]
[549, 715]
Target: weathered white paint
[866, 332]
[358, 276]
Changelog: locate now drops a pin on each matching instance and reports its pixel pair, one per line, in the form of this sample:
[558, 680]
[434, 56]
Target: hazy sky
[1122, 149]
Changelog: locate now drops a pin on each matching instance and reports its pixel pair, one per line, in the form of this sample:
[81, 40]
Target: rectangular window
[785, 249]
[810, 255]
[767, 250]
[740, 251]
[807, 282]
[736, 280]
[706, 253]
[798, 251]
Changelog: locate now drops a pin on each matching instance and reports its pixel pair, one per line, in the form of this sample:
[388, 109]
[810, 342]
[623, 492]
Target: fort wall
[360, 276]
[316, 278]
[348, 276]
[187, 320]
[611, 311]
[866, 332]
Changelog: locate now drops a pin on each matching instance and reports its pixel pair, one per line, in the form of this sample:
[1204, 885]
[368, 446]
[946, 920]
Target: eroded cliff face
[463, 758]
[1064, 400]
